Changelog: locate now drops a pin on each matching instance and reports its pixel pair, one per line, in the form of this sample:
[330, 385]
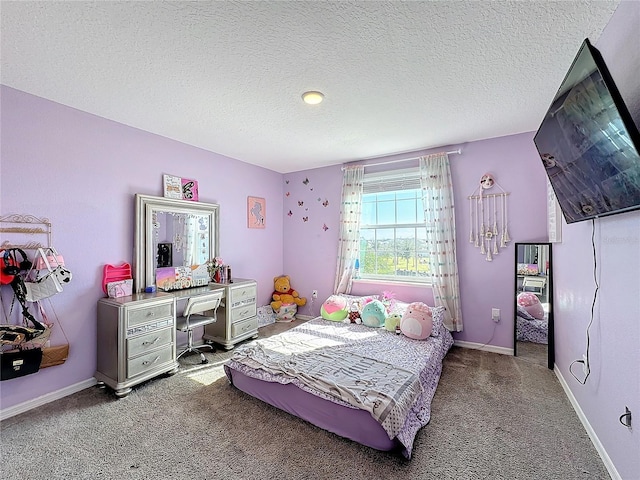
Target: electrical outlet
[495, 314]
[314, 294]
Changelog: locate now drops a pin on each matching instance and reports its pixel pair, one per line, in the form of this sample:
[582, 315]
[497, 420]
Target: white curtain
[437, 197]
[190, 240]
[349, 240]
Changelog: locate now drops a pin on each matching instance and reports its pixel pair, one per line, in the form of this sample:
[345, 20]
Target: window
[392, 229]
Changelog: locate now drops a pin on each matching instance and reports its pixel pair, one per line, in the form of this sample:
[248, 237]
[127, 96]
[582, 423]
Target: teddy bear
[284, 294]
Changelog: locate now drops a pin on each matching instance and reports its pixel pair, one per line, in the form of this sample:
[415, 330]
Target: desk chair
[194, 316]
[536, 284]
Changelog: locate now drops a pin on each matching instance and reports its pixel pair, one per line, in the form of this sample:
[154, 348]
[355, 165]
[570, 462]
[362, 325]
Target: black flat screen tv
[589, 144]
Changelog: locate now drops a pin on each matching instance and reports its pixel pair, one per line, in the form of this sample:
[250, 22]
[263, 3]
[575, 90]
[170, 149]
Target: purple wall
[94, 166]
[615, 334]
[82, 172]
[312, 251]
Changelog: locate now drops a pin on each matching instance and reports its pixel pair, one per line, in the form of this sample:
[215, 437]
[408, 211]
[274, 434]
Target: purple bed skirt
[351, 423]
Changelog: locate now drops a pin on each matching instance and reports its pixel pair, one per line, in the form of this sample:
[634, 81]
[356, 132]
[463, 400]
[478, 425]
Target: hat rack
[21, 227]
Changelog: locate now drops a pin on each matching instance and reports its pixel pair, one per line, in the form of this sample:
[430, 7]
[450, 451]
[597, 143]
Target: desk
[237, 314]
[136, 340]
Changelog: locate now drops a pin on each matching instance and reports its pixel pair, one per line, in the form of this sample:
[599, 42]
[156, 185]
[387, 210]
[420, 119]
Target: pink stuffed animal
[531, 303]
[417, 321]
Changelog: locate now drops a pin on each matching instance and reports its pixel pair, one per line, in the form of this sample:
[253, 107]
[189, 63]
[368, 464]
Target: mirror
[533, 323]
[173, 241]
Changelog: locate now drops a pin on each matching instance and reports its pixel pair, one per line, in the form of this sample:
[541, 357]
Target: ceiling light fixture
[312, 97]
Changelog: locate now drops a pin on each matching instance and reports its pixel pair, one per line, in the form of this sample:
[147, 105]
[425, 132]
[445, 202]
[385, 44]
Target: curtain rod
[459, 151]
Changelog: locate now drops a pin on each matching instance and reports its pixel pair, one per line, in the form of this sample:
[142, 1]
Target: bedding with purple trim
[531, 329]
[391, 376]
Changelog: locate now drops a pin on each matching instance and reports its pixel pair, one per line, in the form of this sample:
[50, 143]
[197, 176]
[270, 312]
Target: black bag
[17, 363]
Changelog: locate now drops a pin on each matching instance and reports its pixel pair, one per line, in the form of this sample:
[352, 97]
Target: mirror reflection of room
[533, 301]
[182, 239]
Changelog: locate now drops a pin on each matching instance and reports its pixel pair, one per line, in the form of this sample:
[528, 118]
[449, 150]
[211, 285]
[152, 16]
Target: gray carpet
[494, 417]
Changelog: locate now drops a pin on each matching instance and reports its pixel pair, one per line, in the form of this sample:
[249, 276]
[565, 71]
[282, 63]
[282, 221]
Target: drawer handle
[151, 343]
[147, 362]
[151, 314]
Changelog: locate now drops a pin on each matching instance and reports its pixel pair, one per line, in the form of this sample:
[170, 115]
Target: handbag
[52, 356]
[58, 354]
[56, 263]
[49, 284]
[17, 363]
[52, 257]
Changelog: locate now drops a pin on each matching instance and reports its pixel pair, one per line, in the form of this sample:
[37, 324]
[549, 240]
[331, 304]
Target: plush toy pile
[414, 320]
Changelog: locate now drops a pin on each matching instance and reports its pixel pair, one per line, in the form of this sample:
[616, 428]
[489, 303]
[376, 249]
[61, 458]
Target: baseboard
[587, 426]
[44, 399]
[484, 347]
[306, 317]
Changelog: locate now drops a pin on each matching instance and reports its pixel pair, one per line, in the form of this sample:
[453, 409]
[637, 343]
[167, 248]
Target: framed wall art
[180, 188]
[256, 212]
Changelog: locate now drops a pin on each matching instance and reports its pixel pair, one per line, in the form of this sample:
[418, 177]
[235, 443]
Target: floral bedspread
[397, 390]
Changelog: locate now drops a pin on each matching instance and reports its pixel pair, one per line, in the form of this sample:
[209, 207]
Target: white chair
[199, 311]
[535, 284]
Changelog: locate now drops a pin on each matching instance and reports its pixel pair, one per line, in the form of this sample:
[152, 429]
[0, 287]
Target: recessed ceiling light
[312, 98]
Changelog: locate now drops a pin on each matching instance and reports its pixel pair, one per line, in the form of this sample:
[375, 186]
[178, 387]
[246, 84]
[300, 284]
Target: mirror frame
[144, 256]
[551, 357]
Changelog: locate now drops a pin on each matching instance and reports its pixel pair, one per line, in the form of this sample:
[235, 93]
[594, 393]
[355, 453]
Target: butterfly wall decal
[306, 181]
[305, 219]
[325, 203]
[324, 227]
[300, 203]
[290, 213]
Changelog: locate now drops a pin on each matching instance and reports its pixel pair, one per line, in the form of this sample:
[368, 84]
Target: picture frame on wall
[180, 188]
[256, 212]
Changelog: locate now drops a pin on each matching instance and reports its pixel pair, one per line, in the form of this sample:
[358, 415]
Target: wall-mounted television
[589, 144]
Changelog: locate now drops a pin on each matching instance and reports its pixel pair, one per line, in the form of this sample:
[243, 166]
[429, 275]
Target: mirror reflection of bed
[533, 325]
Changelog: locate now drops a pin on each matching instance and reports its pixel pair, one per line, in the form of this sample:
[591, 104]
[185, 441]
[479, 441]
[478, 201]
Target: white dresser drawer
[149, 341]
[144, 314]
[240, 313]
[243, 295]
[245, 326]
[136, 366]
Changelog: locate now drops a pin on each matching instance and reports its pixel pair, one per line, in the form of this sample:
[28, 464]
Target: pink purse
[52, 257]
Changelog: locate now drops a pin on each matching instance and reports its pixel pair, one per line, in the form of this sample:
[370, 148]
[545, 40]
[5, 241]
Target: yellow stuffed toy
[284, 294]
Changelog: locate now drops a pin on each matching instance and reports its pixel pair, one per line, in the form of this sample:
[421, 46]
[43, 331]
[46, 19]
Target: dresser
[237, 314]
[136, 339]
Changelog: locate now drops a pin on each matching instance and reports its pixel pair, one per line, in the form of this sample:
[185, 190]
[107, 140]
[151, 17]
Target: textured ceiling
[227, 76]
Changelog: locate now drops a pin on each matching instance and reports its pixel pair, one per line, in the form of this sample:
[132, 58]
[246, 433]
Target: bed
[366, 384]
[531, 329]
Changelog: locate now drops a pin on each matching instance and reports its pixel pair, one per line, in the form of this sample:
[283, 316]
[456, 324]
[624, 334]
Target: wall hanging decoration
[256, 212]
[488, 218]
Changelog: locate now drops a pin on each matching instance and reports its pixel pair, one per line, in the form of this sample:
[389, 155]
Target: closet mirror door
[533, 323]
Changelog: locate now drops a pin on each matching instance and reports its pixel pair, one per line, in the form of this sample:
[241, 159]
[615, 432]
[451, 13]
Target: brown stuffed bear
[285, 294]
